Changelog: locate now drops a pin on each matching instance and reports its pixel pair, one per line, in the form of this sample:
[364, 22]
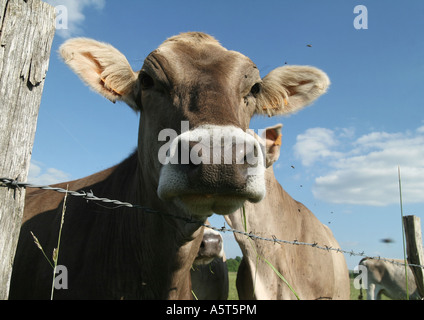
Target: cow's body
[125, 253]
[384, 277]
[105, 248]
[311, 272]
[210, 281]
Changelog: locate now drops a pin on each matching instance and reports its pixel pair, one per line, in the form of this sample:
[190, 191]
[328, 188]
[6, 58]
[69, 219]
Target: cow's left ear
[102, 67]
[272, 137]
[290, 88]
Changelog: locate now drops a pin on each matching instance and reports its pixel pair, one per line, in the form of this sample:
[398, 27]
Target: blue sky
[345, 149]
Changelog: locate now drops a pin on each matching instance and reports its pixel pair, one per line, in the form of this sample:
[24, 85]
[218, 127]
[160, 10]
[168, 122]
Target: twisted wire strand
[89, 196]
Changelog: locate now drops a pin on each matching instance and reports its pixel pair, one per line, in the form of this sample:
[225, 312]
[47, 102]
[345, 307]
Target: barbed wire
[89, 196]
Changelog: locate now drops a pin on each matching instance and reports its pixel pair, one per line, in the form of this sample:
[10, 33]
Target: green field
[232, 292]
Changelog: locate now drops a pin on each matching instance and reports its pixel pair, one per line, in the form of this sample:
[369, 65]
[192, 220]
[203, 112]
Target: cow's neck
[181, 240]
[256, 213]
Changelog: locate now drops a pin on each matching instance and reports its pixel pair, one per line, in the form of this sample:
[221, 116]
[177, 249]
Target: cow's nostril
[251, 154]
[239, 153]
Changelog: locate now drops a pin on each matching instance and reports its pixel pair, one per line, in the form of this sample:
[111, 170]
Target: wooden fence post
[26, 33]
[414, 249]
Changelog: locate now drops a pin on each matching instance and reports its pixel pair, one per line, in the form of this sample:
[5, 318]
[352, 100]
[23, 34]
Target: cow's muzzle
[213, 169]
[211, 247]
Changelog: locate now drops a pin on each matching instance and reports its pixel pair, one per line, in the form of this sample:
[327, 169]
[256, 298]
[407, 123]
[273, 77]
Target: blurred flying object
[387, 240]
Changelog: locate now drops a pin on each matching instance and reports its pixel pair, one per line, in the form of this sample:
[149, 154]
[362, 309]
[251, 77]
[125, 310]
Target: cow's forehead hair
[192, 38]
[199, 41]
[189, 42]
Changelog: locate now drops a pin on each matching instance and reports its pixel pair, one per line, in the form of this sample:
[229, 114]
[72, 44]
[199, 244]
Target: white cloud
[315, 144]
[39, 174]
[364, 171]
[72, 18]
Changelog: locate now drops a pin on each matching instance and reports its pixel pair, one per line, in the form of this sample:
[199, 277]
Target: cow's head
[196, 99]
[211, 247]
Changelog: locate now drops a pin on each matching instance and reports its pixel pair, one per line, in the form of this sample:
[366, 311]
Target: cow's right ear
[272, 137]
[102, 67]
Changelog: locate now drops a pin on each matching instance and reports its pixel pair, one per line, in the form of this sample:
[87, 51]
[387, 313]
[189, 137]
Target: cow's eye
[255, 89]
[146, 81]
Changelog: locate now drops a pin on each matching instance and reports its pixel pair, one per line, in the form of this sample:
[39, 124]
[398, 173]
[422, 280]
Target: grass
[232, 292]
[55, 255]
[354, 293]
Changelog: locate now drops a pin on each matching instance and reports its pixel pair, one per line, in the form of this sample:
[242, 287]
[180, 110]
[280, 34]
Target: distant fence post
[26, 33]
[414, 249]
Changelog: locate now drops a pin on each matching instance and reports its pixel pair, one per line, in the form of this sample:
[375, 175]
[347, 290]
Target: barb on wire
[89, 196]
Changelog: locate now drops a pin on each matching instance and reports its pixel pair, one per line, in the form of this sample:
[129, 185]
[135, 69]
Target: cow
[189, 88]
[312, 273]
[385, 277]
[211, 247]
[209, 274]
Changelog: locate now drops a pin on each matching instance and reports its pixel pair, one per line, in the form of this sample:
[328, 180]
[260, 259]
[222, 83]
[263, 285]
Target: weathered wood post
[414, 248]
[26, 33]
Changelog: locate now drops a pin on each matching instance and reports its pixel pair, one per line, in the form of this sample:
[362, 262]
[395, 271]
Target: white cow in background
[388, 278]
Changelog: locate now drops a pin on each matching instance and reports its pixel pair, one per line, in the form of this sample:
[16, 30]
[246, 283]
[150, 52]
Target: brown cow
[209, 274]
[190, 86]
[311, 272]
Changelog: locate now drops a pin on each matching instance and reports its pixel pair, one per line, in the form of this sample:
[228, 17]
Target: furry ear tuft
[102, 67]
[288, 89]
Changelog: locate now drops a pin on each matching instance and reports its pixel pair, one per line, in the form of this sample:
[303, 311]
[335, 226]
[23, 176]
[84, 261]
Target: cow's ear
[102, 67]
[272, 137]
[290, 88]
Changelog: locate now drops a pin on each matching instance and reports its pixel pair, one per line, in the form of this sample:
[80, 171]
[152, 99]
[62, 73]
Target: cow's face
[196, 100]
[211, 247]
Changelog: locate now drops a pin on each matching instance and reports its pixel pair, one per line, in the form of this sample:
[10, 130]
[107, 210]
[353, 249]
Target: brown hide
[313, 273]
